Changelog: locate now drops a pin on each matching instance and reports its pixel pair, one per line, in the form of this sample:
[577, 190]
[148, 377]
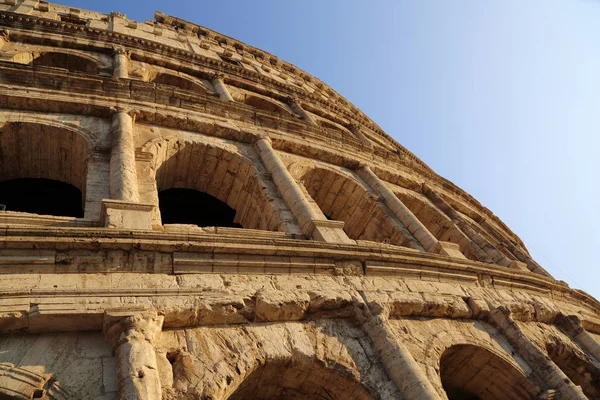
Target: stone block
[126, 215]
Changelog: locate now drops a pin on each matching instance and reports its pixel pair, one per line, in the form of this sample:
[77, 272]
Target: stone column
[220, 88]
[397, 359]
[532, 265]
[4, 37]
[123, 175]
[312, 221]
[540, 363]
[295, 106]
[123, 210]
[121, 63]
[355, 129]
[496, 255]
[407, 218]
[132, 335]
[572, 325]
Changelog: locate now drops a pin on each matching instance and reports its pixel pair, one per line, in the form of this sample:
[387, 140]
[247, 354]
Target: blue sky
[502, 97]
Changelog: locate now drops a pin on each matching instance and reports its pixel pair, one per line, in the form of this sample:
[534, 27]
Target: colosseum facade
[190, 217]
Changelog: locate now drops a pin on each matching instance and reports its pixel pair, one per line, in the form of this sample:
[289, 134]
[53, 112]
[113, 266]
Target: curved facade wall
[340, 267]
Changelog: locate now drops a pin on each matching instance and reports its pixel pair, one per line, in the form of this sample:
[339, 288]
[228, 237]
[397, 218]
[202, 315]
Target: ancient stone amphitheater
[189, 217]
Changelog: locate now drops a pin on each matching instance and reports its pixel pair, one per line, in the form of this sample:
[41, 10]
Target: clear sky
[501, 97]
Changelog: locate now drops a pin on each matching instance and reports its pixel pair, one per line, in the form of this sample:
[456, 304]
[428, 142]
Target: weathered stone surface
[340, 266]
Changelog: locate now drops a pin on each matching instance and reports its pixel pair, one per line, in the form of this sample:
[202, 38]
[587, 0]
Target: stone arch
[438, 223]
[91, 138]
[306, 359]
[21, 383]
[335, 131]
[474, 372]
[79, 62]
[226, 173]
[181, 82]
[482, 339]
[44, 152]
[306, 381]
[580, 369]
[265, 104]
[343, 197]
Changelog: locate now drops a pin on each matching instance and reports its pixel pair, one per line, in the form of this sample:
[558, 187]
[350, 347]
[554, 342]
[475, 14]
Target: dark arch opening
[265, 105]
[177, 81]
[66, 61]
[189, 206]
[582, 372]
[41, 196]
[287, 381]
[474, 373]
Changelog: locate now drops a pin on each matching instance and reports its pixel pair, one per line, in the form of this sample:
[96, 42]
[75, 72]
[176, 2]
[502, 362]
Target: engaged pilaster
[312, 221]
[355, 129]
[572, 325]
[121, 63]
[4, 38]
[123, 176]
[407, 218]
[397, 359]
[295, 106]
[132, 335]
[123, 209]
[220, 88]
[542, 366]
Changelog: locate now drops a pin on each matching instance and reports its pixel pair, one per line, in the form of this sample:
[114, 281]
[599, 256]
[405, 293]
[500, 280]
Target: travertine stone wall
[358, 272]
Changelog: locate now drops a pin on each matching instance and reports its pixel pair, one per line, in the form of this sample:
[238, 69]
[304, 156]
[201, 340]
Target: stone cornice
[385, 259]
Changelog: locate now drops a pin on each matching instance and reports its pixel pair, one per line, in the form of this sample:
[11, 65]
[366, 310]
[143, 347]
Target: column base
[447, 249]
[126, 215]
[327, 231]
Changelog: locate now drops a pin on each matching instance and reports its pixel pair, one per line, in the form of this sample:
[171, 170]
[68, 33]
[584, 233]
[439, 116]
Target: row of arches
[465, 371]
[79, 62]
[44, 170]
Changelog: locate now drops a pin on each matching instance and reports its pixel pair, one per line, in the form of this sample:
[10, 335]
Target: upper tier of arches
[336, 125]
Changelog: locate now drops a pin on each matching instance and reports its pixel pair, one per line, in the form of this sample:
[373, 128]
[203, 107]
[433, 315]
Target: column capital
[122, 326]
[293, 99]
[4, 35]
[122, 51]
[365, 166]
[259, 137]
[569, 323]
[354, 127]
[216, 75]
[132, 112]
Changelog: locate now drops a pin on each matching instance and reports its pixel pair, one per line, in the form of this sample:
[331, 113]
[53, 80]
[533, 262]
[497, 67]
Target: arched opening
[336, 132]
[266, 105]
[582, 372]
[67, 61]
[189, 206]
[42, 169]
[344, 199]
[18, 383]
[179, 82]
[279, 381]
[41, 196]
[471, 372]
[224, 176]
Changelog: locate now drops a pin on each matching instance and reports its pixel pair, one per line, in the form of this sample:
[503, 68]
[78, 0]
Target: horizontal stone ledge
[381, 260]
[85, 312]
[186, 263]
